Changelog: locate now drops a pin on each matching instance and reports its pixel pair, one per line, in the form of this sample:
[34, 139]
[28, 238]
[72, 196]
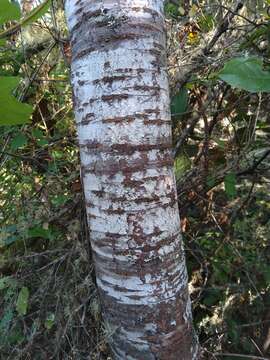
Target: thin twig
[199, 58]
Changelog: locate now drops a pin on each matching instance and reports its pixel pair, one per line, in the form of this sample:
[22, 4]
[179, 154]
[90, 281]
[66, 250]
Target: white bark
[121, 102]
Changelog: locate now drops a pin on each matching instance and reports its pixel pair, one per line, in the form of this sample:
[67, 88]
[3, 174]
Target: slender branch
[22, 96]
[198, 59]
[193, 121]
[223, 27]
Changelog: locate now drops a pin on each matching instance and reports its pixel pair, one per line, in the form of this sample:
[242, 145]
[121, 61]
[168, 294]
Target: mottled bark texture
[121, 102]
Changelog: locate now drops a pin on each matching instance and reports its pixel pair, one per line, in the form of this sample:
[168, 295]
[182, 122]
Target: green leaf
[9, 11]
[181, 164]
[230, 185]
[171, 10]
[179, 102]
[2, 42]
[18, 142]
[206, 22]
[37, 133]
[12, 112]
[39, 232]
[42, 142]
[33, 16]
[22, 301]
[221, 143]
[59, 200]
[246, 73]
[36, 13]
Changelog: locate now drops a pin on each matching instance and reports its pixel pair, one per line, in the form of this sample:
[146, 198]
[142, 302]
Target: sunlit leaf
[179, 102]
[193, 11]
[181, 11]
[2, 42]
[246, 73]
[12, 112]
[230, 185]
[22, 301]
[39, 232]
[35, 14]
[9, 11]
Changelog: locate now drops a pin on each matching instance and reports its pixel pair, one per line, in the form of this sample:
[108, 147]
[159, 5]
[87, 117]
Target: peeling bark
[121, 103]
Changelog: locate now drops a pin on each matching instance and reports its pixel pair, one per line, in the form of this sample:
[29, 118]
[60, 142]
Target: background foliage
[218, 60]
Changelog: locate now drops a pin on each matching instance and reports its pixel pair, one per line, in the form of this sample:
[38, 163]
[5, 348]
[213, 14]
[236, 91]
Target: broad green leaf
[37, 231]
[179, 102]
[12, 112]
[30, 18]
[230, 185]
[37, 133]
[42, 142]
[246, 73]
[9, 11]
[19, 141]
[181, 164]
[2, 42]
[22, 301]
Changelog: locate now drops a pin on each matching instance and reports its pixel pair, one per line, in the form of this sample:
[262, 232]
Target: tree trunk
[121, 102]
